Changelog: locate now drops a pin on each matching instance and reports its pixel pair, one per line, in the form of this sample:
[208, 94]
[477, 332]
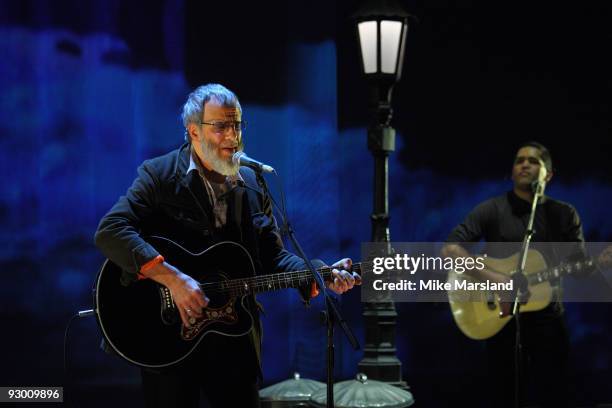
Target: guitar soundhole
[490, 301]
[221, 294]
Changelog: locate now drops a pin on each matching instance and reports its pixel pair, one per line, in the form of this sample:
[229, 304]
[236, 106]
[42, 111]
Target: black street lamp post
[381, 29]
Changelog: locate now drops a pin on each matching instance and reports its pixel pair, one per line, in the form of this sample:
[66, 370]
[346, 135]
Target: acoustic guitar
[480, 314]
[141, 323]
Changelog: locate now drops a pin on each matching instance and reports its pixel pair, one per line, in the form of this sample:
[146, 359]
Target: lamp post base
[380, 361]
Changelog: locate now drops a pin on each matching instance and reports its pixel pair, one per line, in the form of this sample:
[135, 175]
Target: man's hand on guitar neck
[343, 280]
[186, 292]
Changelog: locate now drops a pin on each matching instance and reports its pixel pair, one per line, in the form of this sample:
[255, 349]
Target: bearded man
[197, 196]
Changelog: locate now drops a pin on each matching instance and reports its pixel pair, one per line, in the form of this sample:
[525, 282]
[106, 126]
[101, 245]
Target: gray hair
[194, 106]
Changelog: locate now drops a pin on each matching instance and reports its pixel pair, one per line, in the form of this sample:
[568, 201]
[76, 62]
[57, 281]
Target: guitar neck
[271, 282]
[563, 269]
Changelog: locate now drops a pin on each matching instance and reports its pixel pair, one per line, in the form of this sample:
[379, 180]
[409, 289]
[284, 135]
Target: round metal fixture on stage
[295, 392]
[364, 393]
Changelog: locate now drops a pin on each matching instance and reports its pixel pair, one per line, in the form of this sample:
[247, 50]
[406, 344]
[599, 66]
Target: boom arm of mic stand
[316, 276]
[329, 301]
[333, 314]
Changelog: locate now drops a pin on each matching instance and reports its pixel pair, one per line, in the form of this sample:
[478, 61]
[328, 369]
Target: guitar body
[140, 321]
[477, 313]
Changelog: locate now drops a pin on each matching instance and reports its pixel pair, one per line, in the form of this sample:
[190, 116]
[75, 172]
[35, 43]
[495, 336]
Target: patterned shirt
[217, 192]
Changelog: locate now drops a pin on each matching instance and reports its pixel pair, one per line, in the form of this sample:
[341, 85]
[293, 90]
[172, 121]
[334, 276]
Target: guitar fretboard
[561, 270]
[271, 282]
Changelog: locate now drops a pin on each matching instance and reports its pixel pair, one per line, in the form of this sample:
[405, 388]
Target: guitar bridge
[225, 315]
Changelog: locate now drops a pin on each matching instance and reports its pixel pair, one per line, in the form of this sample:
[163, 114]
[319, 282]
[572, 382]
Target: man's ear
[192, 131]
[548, 173]
[549, 176]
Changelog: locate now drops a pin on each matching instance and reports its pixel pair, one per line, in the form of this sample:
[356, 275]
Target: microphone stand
[332, 314]
[522, 289]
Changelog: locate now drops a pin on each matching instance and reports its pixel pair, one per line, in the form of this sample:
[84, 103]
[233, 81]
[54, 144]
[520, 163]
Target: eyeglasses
[220, 126]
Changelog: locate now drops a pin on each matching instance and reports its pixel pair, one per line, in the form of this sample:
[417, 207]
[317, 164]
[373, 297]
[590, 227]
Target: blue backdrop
[91, 90]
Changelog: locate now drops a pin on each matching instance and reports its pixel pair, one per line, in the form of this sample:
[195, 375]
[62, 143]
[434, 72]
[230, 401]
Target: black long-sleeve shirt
[503, 219]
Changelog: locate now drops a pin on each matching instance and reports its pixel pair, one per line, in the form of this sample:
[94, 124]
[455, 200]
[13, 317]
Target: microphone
[242, 159]
[538, 186]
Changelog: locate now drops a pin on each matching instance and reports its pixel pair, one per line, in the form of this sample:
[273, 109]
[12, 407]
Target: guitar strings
[292, 275]
[285, 276]
[269, 281]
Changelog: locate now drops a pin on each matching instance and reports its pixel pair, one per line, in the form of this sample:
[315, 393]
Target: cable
[283, 209]
[67, 379]
[67, 382]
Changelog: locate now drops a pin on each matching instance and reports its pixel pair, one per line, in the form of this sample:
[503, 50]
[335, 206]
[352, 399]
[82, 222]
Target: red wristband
[157, 260]
[314, 291]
